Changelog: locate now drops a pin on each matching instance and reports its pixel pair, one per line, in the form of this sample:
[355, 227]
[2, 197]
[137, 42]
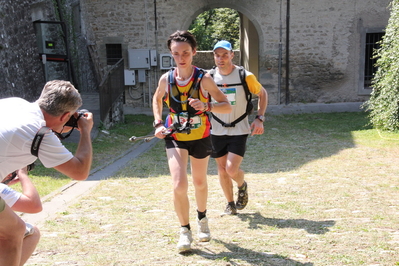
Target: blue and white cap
[223, 44]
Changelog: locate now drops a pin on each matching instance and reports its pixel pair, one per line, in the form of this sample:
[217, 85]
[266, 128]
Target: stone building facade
[326, 42]
[20, 74]
[22, 69]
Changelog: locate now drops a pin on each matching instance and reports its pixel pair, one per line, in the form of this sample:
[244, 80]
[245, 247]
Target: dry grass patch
[323, 191]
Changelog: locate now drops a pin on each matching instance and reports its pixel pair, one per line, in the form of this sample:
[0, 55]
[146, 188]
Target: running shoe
[242, 199]
[204, 234]
[185, 240]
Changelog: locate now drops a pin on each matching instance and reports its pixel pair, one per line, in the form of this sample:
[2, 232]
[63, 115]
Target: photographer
[19, 124]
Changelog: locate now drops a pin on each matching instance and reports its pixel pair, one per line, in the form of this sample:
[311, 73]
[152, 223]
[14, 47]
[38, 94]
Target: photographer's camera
[73, 121]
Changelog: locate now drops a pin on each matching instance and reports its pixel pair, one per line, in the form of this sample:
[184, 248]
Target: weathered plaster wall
[325, 42]
[324, 39]
[21, 69]
[20, 73]
[325, 48]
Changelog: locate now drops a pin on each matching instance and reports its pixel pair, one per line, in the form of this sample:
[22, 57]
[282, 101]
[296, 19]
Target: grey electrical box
[141, 75]
[130, 77]
[153, 58]
[139, 58]
[165, 61]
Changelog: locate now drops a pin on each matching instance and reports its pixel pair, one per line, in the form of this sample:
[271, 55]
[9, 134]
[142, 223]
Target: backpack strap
[241, 72]
[198, 75]
[243, 76]
[248, 95]
[172, 77]
[194, 86]
[198, 78]
[34, 148]
[212, 71]
[232, 124]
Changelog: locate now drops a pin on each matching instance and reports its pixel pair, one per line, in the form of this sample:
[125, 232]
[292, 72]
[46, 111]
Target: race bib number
[230, 94]
[195, 121]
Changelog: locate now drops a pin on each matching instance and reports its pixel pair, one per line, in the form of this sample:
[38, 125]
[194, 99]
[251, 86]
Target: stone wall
[21, 69]
[21, 73]
[204, 59]
[116, 113]
[325, 39]
[325, 42]
[325, 48]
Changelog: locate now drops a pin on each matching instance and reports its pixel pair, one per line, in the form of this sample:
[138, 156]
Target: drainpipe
[148, 48]
[156, 44]
[280, 55]
[156, 25]
[71, 73]
[287, 57]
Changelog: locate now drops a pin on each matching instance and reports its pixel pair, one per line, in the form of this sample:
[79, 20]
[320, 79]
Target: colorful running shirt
[177, 100]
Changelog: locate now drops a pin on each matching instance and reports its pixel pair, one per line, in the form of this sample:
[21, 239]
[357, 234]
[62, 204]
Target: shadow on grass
[291, 141]
[242, 254]
[312, 227]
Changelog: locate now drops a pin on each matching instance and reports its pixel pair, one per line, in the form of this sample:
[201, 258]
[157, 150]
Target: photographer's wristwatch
[157, 123]
[260, 118]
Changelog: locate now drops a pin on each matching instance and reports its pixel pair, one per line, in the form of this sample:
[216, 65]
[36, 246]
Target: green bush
[384, 101]
[214, 25]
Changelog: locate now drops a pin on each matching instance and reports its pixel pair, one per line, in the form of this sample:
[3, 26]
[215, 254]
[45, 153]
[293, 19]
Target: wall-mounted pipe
[287, 57]
[71, 70]
[280, 55]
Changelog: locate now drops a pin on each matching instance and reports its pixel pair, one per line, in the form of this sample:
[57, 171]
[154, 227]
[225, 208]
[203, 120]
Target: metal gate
[111, 88]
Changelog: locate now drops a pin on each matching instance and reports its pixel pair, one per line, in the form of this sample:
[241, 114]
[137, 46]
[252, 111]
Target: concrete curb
[314, 108]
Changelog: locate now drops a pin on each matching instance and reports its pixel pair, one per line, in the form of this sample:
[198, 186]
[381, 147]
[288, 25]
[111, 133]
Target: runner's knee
[232, 170]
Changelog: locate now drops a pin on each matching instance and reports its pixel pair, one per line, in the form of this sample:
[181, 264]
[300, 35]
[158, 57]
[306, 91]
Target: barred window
[114, 53]
[372, 43]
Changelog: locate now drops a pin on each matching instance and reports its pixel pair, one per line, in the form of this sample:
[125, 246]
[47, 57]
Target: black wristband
[260, 118]
[157, 123]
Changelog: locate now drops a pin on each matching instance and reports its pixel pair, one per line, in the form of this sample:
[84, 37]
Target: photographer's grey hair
[58, 97]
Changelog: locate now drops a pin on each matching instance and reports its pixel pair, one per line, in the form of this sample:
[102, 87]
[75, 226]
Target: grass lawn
[323, 190]
[106, 148]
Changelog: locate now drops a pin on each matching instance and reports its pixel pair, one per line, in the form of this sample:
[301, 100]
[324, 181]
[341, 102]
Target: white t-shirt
[20, 120]
[9, 195]
[237, 98]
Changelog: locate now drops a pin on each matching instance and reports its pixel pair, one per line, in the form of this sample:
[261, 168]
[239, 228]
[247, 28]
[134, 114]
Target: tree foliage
[214, 25]
[384, 101]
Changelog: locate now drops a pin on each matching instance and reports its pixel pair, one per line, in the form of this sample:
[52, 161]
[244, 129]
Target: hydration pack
[175, 102]
[248, 95]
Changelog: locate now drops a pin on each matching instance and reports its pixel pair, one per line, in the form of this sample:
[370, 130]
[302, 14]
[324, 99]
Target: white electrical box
[153, 58]
[139, 58]
[130, 77]
[165, 61]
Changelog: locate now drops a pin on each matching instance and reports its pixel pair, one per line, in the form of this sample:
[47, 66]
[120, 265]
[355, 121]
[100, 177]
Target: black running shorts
[199, 149]
[221, 145]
